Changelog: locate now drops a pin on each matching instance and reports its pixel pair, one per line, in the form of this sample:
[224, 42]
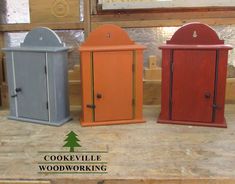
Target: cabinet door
[30, 78]
[193, 85]
[113, 83]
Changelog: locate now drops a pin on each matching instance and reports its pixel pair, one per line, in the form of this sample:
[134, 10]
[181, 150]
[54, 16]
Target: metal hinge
[47, 105]
[215, 106]
[172, 67]
[133, 67]
[133, 101]
[90, 106]
[45, 69]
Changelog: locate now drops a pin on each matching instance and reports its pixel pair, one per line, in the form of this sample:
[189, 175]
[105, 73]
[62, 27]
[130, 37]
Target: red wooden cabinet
[111, 78]
[194, 66]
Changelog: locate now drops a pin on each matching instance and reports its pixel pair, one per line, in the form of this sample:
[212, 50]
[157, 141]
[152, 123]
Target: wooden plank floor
[146, 152]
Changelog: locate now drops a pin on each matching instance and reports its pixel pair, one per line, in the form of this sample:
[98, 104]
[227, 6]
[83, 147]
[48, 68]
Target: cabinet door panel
[193, 85]
[113, 85]
[31, 79]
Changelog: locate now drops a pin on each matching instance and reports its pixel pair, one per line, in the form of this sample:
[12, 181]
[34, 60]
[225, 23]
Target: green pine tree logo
[72, 141]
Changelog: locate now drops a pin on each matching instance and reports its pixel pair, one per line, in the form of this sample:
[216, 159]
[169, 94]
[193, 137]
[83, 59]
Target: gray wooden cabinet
[38, 79]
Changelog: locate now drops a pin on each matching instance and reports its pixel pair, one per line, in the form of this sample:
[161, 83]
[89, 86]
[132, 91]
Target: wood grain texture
[164, 22]
[87, 17]
[1, 65]
[153, 74]
[74, 74]
[164, 17]
[4, 96]
[149, 181]
[1, 56]
[152, 92]
[140, 153]
[163, 14]
[54, 11]
[23, 182]
[230, 91]
[28, 27]
[75, 93]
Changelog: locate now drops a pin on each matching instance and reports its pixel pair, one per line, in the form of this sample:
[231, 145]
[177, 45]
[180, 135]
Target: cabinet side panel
[138, 84]
[86, 86]
[57, 69]
[221, 84]
[166, 58]
[10, 81]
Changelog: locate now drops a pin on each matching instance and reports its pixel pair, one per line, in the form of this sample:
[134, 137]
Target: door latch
[207, 94]
[92, 106]
[13, 96]
[98, 95]
[17, 90]
[215, 106]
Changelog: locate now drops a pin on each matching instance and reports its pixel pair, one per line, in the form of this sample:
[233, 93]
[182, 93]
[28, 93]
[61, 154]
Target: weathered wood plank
[74, 93]
[27, 27]
[164, 10]
[4, 96]
[54, 11]
[230, 90]
[87, 17]
[93, 7]
[138, 153]
[149, 181]
[23, 182]
[74, 74]
[164, 22]
[1, 57]
[147, 15]
[1, 65]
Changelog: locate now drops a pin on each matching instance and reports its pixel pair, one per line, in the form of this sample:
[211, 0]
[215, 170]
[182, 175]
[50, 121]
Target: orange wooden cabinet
[111, 78]
[194, 65]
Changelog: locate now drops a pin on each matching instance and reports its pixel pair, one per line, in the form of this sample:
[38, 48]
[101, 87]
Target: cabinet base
[102, 123]
[57, 123]
[212, 124]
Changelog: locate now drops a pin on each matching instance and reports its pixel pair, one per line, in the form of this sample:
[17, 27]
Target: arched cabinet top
[195, 34]
[109, 37]
[42, 37]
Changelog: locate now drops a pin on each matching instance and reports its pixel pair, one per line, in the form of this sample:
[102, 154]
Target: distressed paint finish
[189, 97]
[116, 62]
[45, 56]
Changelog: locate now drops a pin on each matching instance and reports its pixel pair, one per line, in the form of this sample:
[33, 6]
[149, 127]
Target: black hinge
[215, 106]
[45, 69]
[90, 106]
[47, 105]
[133, 67]
[133, 101]
[172, 67]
